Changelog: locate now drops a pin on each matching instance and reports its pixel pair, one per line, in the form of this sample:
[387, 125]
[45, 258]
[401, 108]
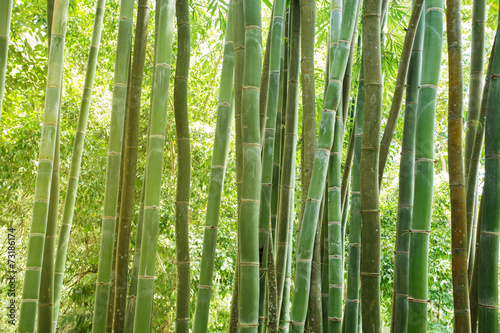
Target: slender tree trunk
[154, 164]
[32, 275]
[424, 168]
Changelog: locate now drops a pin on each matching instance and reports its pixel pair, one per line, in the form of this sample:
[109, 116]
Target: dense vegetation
[23, 110]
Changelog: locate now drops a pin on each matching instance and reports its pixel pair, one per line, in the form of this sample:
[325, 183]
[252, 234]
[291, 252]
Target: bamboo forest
[249, 166]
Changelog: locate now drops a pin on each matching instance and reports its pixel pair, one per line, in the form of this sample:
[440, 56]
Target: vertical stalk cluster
[424, 167]
[339, 52]
[113, 166]
[222, 138]
[131, 139]
[34, 260]
[269, 131]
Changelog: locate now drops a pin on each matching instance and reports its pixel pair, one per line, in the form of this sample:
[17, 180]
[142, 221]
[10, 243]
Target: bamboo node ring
[424, 160]
[334, 80]
[250, 88]
[401, 295]
[335, 319]
[250, 263]
[218, 166]
[334, 188]
[297, 323]
[307, 261]
[34, 268]
[370, 274]
[314, 200]
[369, 211]
[418, 231]
[354, 244]
[29, 300]
[335, 256]
[250, 144]
[252, 201]
[492, 157]
[334, 223]
[371, 14]
[103, 284]
[494, 307]
[416, 300]
[428, 86]
[434, 8]
[490, 233]
[253, 27]
[352, 300]
[145, 277]
[401, 252]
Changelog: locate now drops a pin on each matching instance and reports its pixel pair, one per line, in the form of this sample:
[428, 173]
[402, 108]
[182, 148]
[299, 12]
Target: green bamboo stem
[473, 111]
[315, 307]
[340, 46]
[424, 167]
[34, 259]
[5, 17]
[370, 145]
[324, 261]
[268, 142]
[238, 55]
[217, 173]
[289, 137]
[459, 239]
[46, 297]
[474, 119]
[399, 322]
[273, 290]
[335, 243]
[264, 78]
[154, 164]
[113, 166]
[248, 238]
[490, 224]
[284, 314]
[127, 207]
[399, 89]
[473, 294]
[354, 258]
[476, 152]
[184, 172]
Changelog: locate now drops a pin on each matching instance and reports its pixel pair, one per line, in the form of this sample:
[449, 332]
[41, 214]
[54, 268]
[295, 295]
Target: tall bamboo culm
[113, 165]
[289, 149]
[222, 139]
[183, 168]
[268, 150]
[370, 146]
[239, 60]
[339, 52]
[76, 159]
[36, 243]
[5, 17]
[490, 224]
[473, 123]
[131, 139]
[459, 239]
[399, 321]
[154, 163]
[424, 167]
[354, 259]
[248, 238]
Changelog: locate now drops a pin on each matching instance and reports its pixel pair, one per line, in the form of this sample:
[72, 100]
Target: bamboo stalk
[490, 224]
[222, 138]
[36, 242]
[130, 166]
[424, 167]
[459, 239]
[399, 322]
[5, 17]
[400, 86]
[248, 239]
[473, 110]
[370, 145]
